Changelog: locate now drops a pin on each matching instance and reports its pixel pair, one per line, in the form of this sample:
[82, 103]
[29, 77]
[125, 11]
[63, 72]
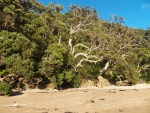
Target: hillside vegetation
[40, 45]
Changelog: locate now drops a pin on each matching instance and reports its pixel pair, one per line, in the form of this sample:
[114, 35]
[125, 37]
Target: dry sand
[128, 99]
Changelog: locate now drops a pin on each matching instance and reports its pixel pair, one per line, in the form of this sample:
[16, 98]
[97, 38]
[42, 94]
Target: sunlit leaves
[17, 52]
[38, 40]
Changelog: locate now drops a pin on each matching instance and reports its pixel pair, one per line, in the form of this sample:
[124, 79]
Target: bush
[67, 79]
[5, 88]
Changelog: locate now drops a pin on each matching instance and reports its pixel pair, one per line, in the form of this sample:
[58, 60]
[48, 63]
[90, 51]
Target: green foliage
[38, 40]
[67, 79]
[54, 59]
[55, 63]
[17, 52]
[2, 72]
[5, 88]
[91, 71]
[14, 64]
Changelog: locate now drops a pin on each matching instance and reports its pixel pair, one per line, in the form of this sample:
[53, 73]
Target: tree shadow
[16, 93]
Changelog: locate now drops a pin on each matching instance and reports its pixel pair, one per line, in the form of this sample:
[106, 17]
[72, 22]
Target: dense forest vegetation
[40, 45]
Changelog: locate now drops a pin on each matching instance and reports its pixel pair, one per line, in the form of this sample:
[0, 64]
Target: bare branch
[79, 64]
[106, 67]
[70, 44]
[119, 77]
[122, 34]
[38, 80]
[122, 47]
[59, 40]
[124, 56]
[138, 66]
[82, 45]
[74, 67]
[81, 54]
[93, 61]
[87, 59]
[51, 31]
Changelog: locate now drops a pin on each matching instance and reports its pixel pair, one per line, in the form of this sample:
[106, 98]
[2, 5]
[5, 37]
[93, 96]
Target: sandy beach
[126, 99]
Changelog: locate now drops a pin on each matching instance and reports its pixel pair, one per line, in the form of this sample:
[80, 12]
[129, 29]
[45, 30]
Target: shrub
[5, 88]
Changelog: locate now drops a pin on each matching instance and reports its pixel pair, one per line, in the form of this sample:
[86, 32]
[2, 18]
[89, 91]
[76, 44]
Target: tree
[41, 45]
[16, 54]
[78, 19]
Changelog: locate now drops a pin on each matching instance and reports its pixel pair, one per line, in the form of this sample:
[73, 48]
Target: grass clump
[5, 88]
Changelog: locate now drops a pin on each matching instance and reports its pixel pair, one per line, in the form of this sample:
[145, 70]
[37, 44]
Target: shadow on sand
[16, 93]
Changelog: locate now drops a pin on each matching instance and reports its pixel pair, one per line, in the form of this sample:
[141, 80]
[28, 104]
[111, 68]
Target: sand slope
[130, 99]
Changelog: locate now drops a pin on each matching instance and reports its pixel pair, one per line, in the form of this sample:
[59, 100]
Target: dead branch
[106, 67]
[88, 59]
[121, 34]
[124, 56]
[79, 64]
[138, 66]
[122, 47]
[119, 77]
[81, 54]
[38, 80]
[82, 45]
[59, 40]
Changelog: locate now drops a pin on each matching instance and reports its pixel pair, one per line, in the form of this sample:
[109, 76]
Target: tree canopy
[40, 45]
